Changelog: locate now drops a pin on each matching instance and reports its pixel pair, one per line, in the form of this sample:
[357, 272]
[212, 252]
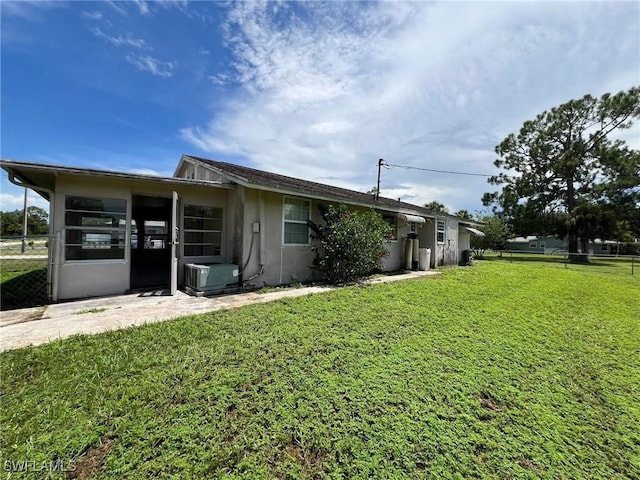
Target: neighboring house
[116, 232]
[536, 244]
[553, 244]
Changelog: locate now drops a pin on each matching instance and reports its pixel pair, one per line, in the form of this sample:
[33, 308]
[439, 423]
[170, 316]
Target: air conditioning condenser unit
[211, 278]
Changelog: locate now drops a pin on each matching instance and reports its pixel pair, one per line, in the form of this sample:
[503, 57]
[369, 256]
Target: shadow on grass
[24, 290]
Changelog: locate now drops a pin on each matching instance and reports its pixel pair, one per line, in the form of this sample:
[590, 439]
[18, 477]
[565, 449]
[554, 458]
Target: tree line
[37, 222]
[567, 173]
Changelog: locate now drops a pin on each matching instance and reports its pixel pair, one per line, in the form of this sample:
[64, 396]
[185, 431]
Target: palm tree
[464, 214]
[435, 206]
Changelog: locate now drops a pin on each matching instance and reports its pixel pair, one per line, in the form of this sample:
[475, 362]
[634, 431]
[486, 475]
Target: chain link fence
[602, 263]
[24, 271]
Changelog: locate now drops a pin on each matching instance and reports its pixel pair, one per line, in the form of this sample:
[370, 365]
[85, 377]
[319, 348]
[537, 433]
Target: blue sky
[316, 90]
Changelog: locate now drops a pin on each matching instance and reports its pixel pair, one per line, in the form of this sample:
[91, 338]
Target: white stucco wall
[281, 264]
[285, 264]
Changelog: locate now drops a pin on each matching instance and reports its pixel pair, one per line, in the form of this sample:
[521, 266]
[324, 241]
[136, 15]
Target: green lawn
[619, 265]
[501, 370]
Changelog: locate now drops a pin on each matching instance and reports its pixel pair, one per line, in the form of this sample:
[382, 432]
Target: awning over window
[474, 231]
[411, 218]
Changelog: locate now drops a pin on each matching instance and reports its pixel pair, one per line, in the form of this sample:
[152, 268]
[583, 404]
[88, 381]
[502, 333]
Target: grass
[501, 370]
[23, 283]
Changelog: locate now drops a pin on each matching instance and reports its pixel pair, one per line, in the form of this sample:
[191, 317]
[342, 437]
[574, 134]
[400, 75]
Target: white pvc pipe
[408, 254]
[415, 254]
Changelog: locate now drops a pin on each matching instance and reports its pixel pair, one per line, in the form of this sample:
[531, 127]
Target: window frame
[204, 231]
[442, 231]
[299, 222]
[120, 231]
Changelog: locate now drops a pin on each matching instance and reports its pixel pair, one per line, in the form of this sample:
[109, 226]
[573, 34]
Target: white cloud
[27, 10]
[142, 6]
[92, 15]
[332, 87]
[220, 79]
[117, 7]
[151, 65]
[144, 171]
[179, 4]
[119, 40]
[10, 202]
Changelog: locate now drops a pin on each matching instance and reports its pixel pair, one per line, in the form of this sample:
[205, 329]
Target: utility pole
[380, 163]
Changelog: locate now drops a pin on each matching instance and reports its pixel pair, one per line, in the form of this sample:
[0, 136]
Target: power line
[407, 167]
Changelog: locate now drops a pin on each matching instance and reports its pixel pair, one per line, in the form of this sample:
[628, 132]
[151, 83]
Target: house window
[202, 231]
[533, 244]
[95, 228]
[543, 244]
[604, 247]
[392, 221]
[441, 231]
[297, 213]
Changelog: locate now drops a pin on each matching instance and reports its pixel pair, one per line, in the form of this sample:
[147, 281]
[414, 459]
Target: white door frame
[175, 241]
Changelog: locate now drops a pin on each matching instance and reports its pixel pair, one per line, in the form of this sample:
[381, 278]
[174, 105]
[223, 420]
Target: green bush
[495, 237]
[349, 244]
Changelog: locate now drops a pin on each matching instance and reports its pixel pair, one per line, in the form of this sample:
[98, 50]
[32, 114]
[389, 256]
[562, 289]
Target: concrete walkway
[34, 326]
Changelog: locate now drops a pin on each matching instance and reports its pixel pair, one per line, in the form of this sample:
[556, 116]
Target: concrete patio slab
[35, 326]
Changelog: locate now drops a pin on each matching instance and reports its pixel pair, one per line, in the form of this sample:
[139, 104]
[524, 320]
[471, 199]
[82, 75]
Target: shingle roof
[276, 181]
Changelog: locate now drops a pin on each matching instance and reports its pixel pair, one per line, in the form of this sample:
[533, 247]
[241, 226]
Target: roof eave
[19, 168]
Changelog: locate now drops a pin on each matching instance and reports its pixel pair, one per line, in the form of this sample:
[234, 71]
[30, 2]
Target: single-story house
[550, 244]
[114, 232]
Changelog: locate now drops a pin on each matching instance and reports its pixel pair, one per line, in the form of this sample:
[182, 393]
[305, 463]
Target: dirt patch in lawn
[310, 460]
[89, 464]
[530, 465]
[489, 403]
